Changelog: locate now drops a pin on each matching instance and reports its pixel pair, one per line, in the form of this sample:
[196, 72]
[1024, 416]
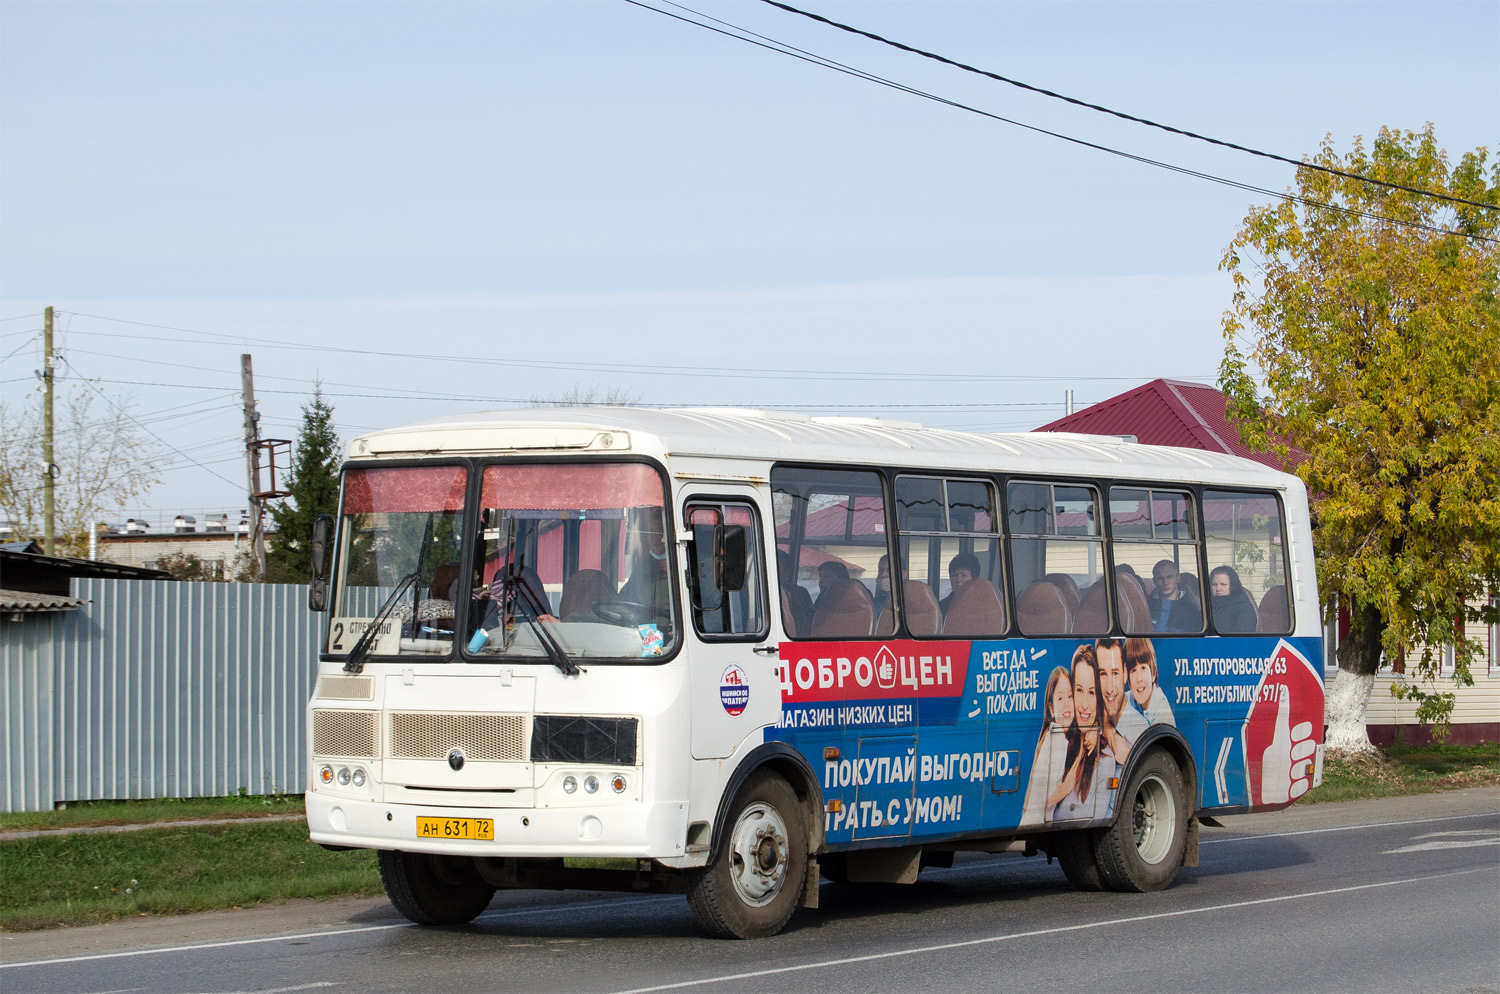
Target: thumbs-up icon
[1283, 728]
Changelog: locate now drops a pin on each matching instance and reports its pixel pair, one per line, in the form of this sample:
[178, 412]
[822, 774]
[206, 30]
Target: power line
[714, 371]
[782, 48]
[126, 414]
[1121, 114]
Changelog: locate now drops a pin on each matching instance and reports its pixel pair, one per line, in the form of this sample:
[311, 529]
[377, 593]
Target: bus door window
[831, 525]
[1154, 539]
[1057, 555]
[950, 557]
[726, 534]
[1247, 579]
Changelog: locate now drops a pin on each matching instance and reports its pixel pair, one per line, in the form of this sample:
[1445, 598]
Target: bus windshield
[400, 537]
[565, 561]
[572, 554]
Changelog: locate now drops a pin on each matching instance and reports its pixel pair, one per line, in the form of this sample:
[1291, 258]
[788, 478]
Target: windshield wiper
[555, 652]
[361, 649]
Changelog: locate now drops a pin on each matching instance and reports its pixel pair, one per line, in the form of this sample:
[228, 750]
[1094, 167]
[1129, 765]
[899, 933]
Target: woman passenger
[1233, 610]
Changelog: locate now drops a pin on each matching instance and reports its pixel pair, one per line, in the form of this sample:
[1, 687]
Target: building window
[1494, 632]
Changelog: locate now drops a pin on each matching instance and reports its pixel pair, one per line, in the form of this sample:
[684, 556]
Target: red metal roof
[1167, 412]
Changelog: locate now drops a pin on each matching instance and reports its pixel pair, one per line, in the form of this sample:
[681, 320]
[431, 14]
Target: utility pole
[252, 466]
[49, 511]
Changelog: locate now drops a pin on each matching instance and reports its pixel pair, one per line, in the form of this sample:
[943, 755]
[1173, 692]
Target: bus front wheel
[1142, 850]
[754, 881]
[434, 890]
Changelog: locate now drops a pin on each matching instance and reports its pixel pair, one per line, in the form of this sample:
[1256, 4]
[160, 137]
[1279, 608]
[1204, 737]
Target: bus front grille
[345, 733]
[346, 688]
[482, 737]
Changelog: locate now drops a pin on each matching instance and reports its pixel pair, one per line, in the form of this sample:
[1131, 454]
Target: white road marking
[1445, 844]
[288, 990]
[1108, 923]
[493, 916]
[1341, 828]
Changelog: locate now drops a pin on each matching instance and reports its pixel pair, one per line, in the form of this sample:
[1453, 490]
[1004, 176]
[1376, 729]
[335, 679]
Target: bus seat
[846, 611]
[1135, 610]
[582, 590]
[975, 611]
[923, 616]
[797, 609]
[1042, 609]
[1274, 616]
[1069, 588]
[1093, 614]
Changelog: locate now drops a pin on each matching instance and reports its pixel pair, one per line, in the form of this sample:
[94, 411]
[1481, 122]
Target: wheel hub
[758, 854]
[1153, 819]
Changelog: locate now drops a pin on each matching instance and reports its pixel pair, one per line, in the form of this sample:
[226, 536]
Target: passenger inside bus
[1233, 609]
[963, 568]
[648, 584]
[797, 612]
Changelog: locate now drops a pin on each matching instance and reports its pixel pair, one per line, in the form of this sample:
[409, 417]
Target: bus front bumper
[629, 831]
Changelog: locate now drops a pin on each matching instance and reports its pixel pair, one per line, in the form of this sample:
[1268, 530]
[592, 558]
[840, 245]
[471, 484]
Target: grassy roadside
[1399, 770]
[83, 879]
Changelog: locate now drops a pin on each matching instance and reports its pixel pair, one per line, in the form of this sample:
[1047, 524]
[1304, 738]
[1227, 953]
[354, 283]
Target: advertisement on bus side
[939, 738]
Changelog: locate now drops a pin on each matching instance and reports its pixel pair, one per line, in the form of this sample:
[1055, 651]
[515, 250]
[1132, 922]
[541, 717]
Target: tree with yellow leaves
[1365, 333]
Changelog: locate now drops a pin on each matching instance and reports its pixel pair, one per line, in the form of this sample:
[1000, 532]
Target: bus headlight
[570, 784]
[591, 783]
[343, 776]
[359, 777]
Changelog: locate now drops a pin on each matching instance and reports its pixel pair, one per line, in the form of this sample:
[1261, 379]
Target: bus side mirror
[317, 590]
[731, 556]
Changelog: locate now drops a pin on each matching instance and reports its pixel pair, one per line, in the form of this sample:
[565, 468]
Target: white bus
[727, 652]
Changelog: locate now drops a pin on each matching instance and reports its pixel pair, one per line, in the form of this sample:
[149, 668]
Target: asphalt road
[1400, 894]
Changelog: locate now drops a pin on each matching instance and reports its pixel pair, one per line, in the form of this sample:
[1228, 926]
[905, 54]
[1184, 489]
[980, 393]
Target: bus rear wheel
[1142, 850]
[1075, 852]
[434, 890]
[754, 880]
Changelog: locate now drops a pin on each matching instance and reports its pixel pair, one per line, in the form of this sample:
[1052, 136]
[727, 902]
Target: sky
[432, 208]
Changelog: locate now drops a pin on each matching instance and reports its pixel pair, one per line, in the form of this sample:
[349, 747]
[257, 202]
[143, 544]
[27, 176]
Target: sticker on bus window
[734, 690]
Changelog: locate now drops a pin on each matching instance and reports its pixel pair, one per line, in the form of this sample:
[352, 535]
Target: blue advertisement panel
[931, 739]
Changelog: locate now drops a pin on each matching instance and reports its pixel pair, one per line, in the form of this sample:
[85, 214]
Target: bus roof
[742, 434]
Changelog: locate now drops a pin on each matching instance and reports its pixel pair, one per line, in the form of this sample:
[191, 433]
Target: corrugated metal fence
[157, 689]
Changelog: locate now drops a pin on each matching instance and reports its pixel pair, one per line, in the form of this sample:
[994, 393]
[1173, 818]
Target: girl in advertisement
[1083, 793]
[1056, 747]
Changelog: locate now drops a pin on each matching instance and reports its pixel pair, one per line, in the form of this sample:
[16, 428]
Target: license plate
[456, 828]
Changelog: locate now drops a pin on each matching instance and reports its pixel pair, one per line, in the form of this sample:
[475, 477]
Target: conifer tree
[314, 485]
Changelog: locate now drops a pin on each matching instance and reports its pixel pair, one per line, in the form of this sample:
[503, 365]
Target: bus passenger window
[1248, 576]
[950, 554]
[830, 538]
[1057, 553]
[1154, 536]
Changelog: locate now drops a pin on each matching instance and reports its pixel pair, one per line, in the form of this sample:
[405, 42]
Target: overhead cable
[750, 37]
[1124, 116]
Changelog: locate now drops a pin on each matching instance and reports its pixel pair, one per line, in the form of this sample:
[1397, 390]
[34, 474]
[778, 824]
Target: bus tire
[751, 886]
[1142, 850]
[1075, 852]
[434, 890]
